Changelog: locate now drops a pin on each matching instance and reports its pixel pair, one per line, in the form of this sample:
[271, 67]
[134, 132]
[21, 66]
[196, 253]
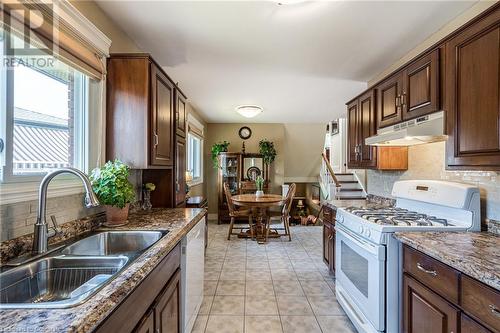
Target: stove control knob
[368, 233]
[361, 229]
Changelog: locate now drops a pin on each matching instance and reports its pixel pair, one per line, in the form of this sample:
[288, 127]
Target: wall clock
[245, 132]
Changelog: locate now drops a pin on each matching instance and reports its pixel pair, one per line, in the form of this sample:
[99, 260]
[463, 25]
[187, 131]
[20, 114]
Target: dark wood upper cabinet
[389, 111]
[425, 311]
[352, 133]
[180, 171]
[472, 85]
[162, 118]
[367, 154]
[139, 112]
[180, 113]
[421, 86]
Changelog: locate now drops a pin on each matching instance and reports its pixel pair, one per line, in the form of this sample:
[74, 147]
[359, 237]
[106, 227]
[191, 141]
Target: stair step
[351, 198]
[350, 190]
[348, 181]
[344, 174]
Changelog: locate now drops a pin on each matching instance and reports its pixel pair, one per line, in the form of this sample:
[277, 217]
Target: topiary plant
[267, 150]
[218, 148]
[111, 185]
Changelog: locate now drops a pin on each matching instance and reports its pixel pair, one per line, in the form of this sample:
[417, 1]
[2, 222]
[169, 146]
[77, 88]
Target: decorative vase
[116, 216]
[146, 201]
[259, 193]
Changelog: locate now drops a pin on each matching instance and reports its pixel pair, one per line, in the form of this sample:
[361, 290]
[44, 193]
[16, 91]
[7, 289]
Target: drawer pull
[420, 267]
[494, 310]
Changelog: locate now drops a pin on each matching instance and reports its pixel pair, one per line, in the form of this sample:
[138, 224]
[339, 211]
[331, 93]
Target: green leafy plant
[218, 148]
[267, 150]
[259, 183]
[111, 185]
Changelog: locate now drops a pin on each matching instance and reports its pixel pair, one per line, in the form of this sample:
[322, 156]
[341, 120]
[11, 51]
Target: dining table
[259, 204]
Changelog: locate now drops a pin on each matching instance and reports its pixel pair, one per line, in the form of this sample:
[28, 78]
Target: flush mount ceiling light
[249, 111]
[288, 2]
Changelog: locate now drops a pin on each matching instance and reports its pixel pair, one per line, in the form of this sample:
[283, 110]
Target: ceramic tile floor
[278, 287]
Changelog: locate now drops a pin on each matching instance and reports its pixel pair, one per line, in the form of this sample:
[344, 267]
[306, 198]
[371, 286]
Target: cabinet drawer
[468, 325]
[482, 302]
[435, 275]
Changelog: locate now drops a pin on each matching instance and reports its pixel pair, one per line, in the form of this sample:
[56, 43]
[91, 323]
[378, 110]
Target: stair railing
[330, 170]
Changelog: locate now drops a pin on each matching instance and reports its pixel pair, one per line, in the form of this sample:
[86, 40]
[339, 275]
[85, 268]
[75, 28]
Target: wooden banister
[330, 170]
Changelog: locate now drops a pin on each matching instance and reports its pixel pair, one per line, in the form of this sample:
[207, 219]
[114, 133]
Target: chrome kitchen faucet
[41, 233]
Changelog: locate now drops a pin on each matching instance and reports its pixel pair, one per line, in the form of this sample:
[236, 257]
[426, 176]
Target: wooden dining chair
[284, 215]
[235, 213]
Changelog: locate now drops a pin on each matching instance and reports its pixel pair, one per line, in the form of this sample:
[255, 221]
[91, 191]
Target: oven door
[360, 271]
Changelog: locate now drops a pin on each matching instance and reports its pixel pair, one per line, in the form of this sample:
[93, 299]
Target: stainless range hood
[425, 129]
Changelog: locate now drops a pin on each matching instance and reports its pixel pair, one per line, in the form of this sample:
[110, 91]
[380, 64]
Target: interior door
[167, 309]
[162, 118]
[421, 86]
[352, 134]
[180, 171]
[389, 101]
[367, 154]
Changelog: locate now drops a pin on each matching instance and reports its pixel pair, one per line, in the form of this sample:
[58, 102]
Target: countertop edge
[405, 238]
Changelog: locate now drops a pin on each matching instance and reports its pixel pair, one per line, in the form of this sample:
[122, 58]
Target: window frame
[197, 180]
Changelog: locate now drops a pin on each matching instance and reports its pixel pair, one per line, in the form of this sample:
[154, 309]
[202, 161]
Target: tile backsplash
[428, 162]
[17, 219]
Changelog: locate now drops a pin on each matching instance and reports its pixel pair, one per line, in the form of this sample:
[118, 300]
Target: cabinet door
[421, 86]
[162, 118]
[180, 114]
[147, 324]
[425, 311]
[472, 96]
[167, 308]
[180, 171]
[389, 101]
[326, 244]
[366, 124]
[352, 135]
[468, 325]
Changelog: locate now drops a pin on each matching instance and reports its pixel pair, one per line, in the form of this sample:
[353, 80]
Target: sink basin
[114, 242]
[56, 282]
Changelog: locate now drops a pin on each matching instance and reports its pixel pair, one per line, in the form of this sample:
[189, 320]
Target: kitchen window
[195, 158]
[45, 117]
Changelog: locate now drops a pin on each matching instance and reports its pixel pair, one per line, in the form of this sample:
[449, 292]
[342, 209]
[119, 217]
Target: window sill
[11, 193]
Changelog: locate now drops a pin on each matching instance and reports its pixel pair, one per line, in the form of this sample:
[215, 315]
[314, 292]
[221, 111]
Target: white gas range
[368, 259]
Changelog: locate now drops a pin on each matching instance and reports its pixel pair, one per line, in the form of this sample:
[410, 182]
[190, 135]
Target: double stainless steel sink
[70, 275]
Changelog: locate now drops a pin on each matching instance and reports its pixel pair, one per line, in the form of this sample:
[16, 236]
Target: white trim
[21, 192]
[82, 26]
[192, 120]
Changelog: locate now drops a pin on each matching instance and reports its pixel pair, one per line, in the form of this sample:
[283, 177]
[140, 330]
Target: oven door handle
[367, 246]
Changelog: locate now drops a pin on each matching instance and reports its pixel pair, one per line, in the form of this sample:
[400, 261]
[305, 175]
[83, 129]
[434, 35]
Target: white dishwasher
[192, 274]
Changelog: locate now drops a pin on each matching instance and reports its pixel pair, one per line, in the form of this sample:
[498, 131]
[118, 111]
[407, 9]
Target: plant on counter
[111, 185]
[218, 148]
[267, 150]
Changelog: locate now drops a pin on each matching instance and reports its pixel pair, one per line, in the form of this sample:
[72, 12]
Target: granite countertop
[85, 317]
[476, 254]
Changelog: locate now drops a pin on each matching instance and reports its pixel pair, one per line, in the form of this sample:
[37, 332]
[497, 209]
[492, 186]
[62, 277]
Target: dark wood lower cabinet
[153, 306]
[430, 307]
[329, 238]
[425, 311]
[167, 314]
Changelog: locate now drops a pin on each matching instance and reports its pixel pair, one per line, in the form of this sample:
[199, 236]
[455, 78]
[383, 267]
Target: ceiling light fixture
[249, 111]
[288, 2]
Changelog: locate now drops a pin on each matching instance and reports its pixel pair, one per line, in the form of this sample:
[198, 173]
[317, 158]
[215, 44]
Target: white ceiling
[300, 62]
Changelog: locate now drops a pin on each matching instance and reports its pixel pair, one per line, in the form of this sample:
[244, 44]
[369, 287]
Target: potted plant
[267, 150]
[259, 185]
[218, 148]
[111, 185]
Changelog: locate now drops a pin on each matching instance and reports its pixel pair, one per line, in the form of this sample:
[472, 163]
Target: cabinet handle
[420, 267]
[403, 98]
[397, 101]
[494, 310]
[155, 139]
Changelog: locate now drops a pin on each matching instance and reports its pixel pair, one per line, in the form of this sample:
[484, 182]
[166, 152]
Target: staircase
[350, 188]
